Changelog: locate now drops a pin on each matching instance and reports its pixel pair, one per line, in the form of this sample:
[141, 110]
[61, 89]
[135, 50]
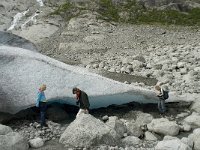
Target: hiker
[42, 104]
[162, 94]
[82, 101]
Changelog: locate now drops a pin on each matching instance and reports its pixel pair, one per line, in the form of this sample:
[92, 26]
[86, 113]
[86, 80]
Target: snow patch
[16, 19]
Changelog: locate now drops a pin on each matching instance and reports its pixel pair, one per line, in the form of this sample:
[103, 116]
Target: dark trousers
[161, 106]
[43, 108]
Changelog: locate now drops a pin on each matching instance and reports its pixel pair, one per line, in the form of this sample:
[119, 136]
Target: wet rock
[36, 143]
[163, 126]
[86, 131]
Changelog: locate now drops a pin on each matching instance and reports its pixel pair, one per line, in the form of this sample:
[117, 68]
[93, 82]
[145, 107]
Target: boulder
[131, 141]
[195, 138]
[20, 66]
[87, 131]
[172, 144]
[13, 140]
[193, 120]
[117, 125]
[196, 106]
[144, 119]
[163, 126]
[150, 136]
[4, 129]
[36, 143]
[134, 129]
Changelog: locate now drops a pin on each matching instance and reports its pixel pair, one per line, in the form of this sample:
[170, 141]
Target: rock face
[88, 131]
[20, 66]
[163, 126]
[10, 140]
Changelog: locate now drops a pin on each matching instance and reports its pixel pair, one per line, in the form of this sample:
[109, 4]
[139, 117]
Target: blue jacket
[40, 98]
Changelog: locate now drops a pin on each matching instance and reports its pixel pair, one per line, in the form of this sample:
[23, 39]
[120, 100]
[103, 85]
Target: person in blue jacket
[42, 104]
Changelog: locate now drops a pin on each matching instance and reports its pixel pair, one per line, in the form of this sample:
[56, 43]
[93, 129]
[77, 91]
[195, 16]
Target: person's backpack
[165, 94]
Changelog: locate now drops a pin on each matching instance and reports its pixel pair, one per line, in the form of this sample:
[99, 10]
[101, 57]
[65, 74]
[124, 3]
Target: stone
[13, 140]
[194, 138]
[36, 143]
[143, 119]
[193, 120]
[187, 141]
[196, 107]
[163, 126]
[131, 141]
[87, 131]
[150, 136]
[137, 64]
[134, 129]
[4, 129]
[105, 118]
[117, 125]
[173, 144]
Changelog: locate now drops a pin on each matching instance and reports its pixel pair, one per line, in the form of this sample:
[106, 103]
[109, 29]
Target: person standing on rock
[42, 104]
[82, 101]
[162, 95]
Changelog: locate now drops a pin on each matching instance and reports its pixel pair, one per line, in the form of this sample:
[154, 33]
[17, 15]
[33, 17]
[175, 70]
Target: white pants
[82, 111]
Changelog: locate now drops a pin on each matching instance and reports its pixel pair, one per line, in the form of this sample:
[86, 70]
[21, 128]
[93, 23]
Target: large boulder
[172, 144]
[163, 126]
[20, 66]
[87, 131]
[13, 140]
[134, 129]
[144, 119]
[131, 141]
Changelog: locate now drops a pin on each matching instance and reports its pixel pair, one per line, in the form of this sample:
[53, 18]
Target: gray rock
[143, 119]
[105, 118]
[134, 129]
[193, 120]
[117, 125]
[131, 141]
[163, 126]
[150, 136]
[173, 144]
[13, 140]
[88, 131]
[4, 129]
[187, 141]
[194, 138]
[36, 143]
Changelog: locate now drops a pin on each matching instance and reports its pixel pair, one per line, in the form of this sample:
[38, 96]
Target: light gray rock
[105, 118]
[173, 144]
[13, 140]
[193, 120]
[36, 143]
[143, 119]
[150, 136]
[94, 38]
[163, 126]
[187, 141]
[194, 138]
[4, 129]
[196, 106]
[117, 125]
[88, 131]
[134, 129]
[60, 78]
[131, 141]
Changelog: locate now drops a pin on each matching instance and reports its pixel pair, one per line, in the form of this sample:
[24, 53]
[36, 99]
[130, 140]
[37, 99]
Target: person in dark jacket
[82, 101]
